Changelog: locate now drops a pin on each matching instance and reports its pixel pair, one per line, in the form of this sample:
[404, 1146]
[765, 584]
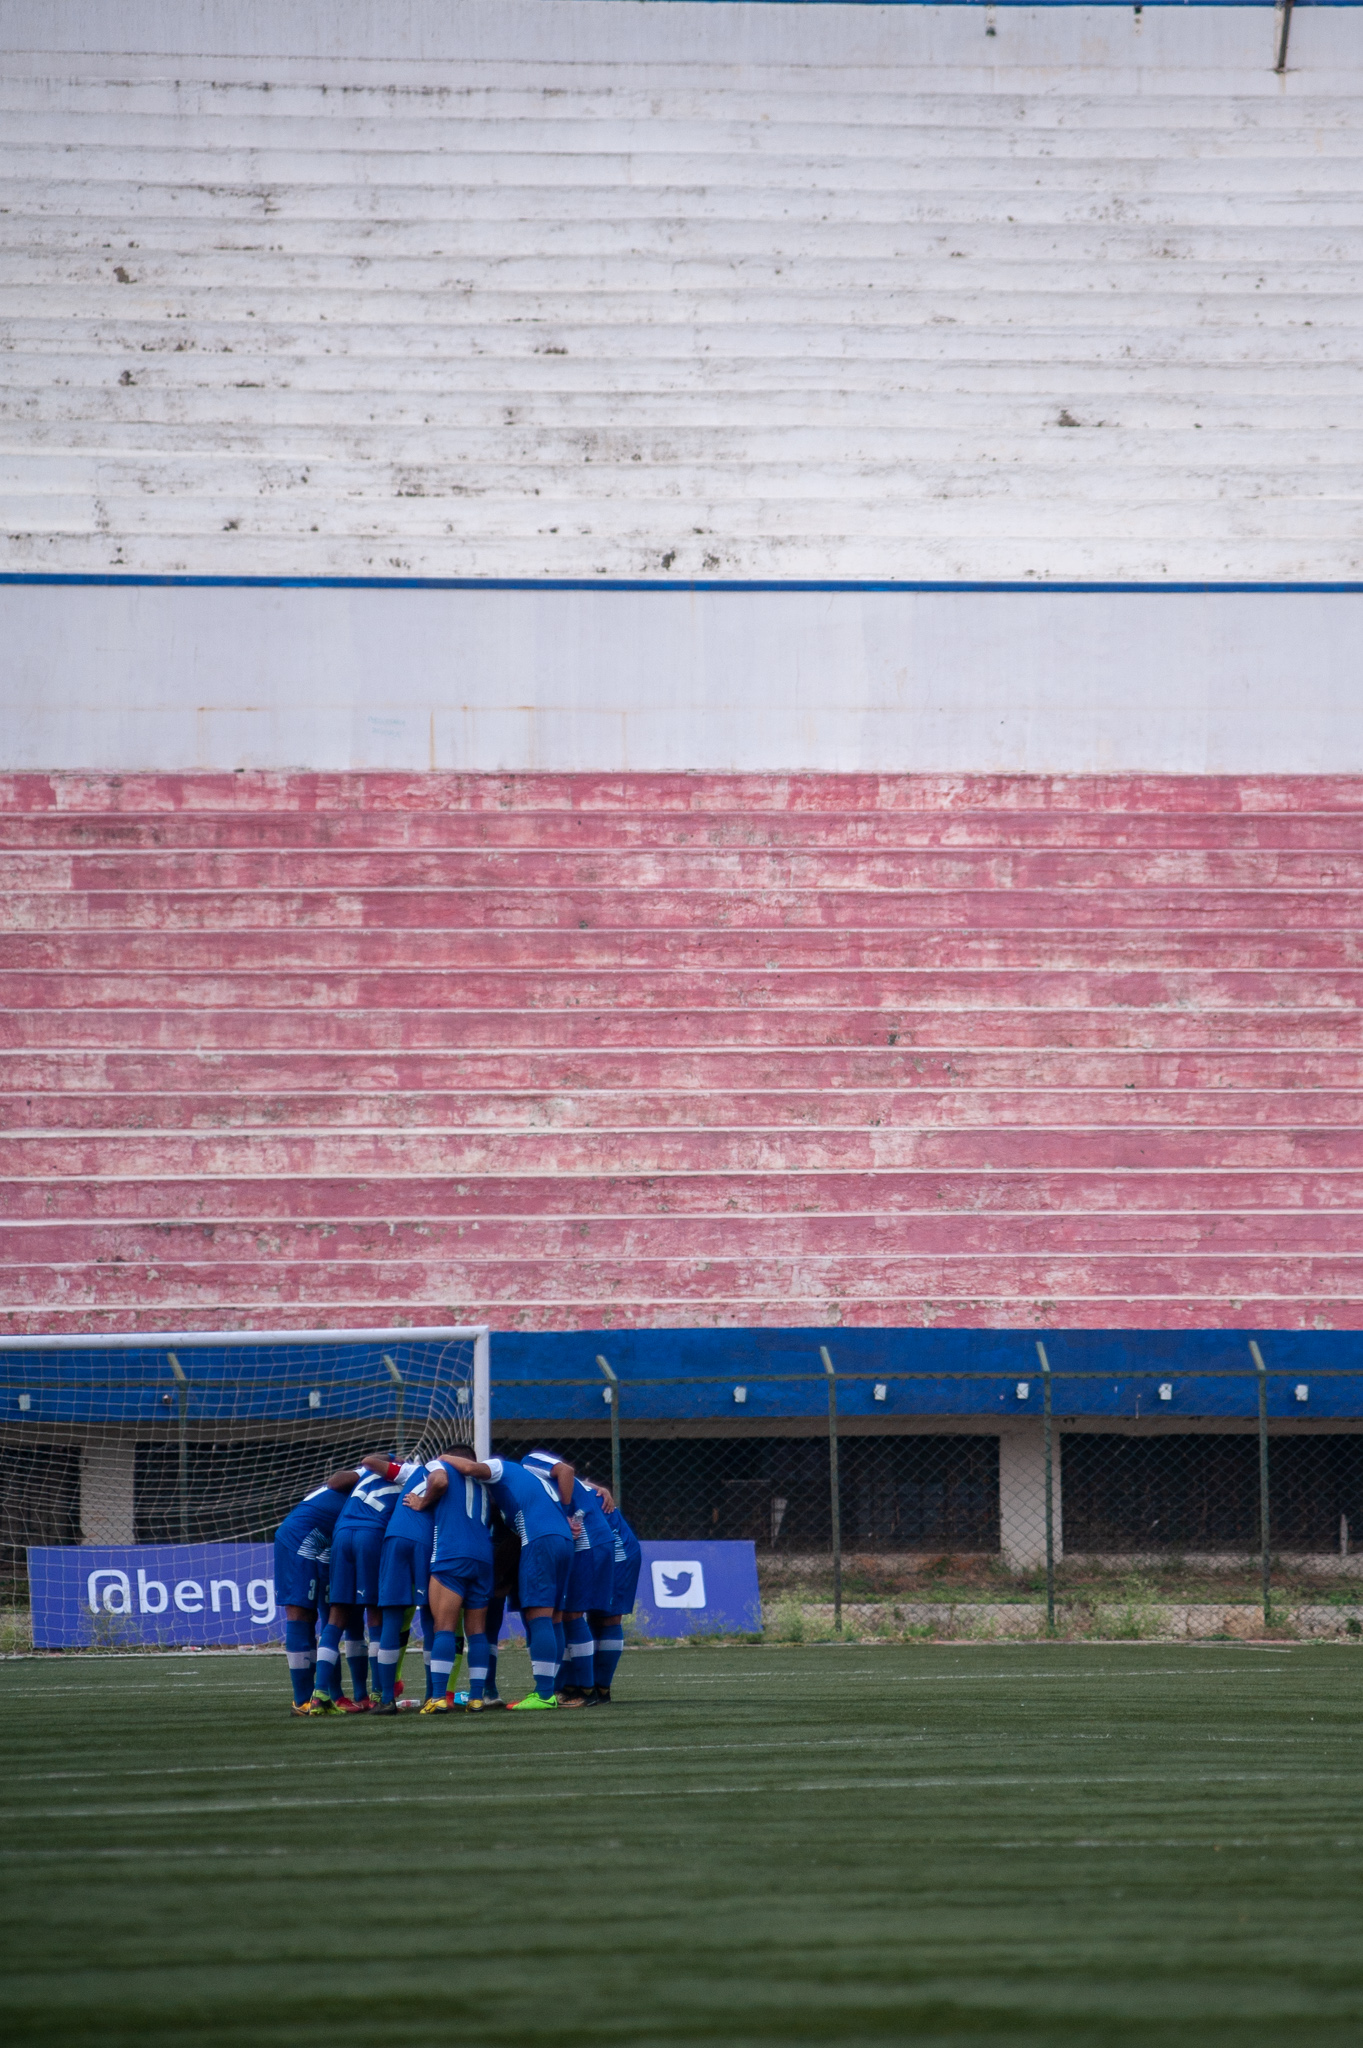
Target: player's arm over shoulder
[470, 1468]
[348, 1478]
[432, 1486]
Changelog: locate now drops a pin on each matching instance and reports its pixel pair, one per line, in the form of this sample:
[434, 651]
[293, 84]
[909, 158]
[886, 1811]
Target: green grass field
[1036, 1843]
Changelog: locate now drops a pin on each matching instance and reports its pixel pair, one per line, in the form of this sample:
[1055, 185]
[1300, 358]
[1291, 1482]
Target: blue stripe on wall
[649, 583]
[706, 1365]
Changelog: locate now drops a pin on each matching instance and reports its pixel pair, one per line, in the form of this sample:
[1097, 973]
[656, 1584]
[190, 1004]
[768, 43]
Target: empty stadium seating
[586, 290]
[566, 1051]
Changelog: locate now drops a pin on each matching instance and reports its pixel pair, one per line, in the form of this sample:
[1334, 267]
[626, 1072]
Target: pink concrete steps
[99, 797]
[561, 1051]
[1072, 1194]
[69, 1076]
[894, 1105]
[317, 1029]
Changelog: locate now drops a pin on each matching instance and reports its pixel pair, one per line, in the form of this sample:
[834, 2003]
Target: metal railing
[1202, 1484]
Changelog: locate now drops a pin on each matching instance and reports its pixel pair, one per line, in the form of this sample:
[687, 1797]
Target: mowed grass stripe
[737, 1790]
[604, 1883]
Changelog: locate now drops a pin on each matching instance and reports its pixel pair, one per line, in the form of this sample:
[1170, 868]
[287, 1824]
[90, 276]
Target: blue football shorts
[590, 1582]
[545, 1564]
[298, 1581]
[404, 1567]
[355, 1554]
[471, 1576]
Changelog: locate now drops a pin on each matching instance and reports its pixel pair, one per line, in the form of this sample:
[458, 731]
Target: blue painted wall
[1209, 1371]
[692, 1375]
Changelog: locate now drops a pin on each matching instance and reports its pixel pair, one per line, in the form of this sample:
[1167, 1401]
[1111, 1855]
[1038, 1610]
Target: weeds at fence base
[1119, 1593]
[16, 1631]
[1133, 1620]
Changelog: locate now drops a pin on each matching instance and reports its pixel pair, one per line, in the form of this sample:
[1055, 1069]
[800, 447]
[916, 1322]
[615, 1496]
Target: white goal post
[175, 1435]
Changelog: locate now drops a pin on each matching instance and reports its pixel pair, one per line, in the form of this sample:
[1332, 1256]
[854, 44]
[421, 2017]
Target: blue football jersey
[529, 1501]
[595, 1533]
[374, 1499]
[414, 1522]
[462, 1526]
[307, 1528]
[627, 1547]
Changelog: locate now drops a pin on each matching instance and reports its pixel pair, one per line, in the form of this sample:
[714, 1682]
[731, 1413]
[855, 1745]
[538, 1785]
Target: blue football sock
[543, 1655]
[560, 1645]
[442, 1661]
[389, 1651]
[356, 1652]
[610, 1648]
[329, 1659]
[496, 1615]
[578, 1652]
[477, 1664]
[427, 1638]
[301, 1651]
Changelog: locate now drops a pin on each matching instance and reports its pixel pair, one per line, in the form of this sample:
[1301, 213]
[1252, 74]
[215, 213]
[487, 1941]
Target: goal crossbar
[169, 1457]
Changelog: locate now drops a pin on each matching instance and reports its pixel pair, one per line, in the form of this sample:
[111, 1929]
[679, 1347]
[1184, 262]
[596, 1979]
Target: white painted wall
[127, 677]
[1022, 1497]
[581, 287]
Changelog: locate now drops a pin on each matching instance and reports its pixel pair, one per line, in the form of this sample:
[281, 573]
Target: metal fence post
[1050, 1481]
[182, 1402]
[1284, 30]
[613, 1395]
[834, 1501]
[1265, 1554]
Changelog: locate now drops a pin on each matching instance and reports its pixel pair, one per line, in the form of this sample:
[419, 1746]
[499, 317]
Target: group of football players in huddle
[459, 1539]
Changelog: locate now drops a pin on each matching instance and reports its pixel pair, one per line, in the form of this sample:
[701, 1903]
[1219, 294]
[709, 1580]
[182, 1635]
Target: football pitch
[1047, 1843]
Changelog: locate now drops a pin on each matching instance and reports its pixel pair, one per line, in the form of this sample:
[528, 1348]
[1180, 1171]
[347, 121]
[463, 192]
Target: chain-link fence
[1197, 1501]
[1159, 1502]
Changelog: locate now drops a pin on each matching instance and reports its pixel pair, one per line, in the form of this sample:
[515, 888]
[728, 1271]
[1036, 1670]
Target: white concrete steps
[550, 300]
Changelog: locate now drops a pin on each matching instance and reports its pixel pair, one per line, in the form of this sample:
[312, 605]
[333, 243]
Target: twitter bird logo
[677, 1581]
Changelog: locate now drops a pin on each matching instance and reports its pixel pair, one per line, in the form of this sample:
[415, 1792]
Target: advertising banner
[688, 1589]
[220, 1593]
[692, 1589]
[200, 1593]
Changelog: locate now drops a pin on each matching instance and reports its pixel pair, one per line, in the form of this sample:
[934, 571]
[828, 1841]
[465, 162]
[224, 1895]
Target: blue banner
[149, 1593]
[692, 1589]
[688, 1589]
[220, 1593]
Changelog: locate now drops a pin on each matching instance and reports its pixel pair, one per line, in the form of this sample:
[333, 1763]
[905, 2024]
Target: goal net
[210, 1438]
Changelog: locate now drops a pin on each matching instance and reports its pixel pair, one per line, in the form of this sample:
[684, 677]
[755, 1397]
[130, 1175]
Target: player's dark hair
[463, 1451]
